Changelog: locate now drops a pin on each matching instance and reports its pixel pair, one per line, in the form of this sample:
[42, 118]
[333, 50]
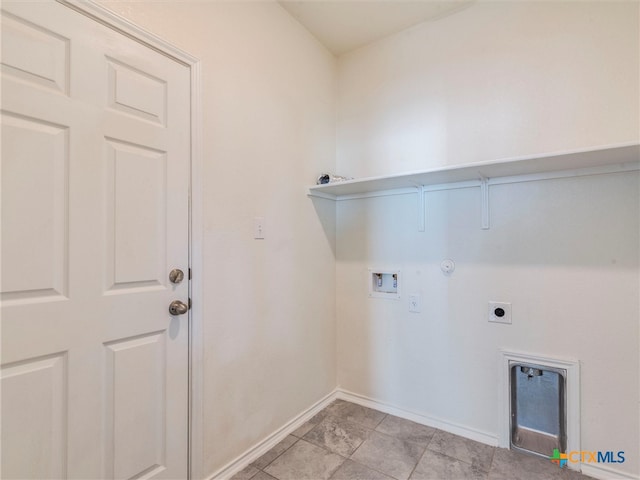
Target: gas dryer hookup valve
[330, 178]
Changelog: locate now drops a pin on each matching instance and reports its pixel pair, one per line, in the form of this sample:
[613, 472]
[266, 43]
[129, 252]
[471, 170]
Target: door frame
[100, 14]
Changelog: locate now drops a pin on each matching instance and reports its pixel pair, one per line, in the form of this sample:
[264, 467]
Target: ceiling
[344, 25]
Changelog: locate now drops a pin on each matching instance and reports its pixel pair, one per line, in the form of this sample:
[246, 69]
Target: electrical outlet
[258, 228]
[500, 312]
[415, 303]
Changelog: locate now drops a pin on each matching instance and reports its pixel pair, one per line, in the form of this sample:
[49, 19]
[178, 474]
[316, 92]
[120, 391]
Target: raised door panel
[34, 418]
[137, 214]
[137, 93]
[136, 406]
[34, 54]
[35, 207]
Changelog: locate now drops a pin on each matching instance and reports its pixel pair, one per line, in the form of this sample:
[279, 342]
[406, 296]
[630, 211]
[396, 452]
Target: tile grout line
[493, 452]
[426, 447]
[350, 457]
[283, 452]
[493, 455]
[394, 437]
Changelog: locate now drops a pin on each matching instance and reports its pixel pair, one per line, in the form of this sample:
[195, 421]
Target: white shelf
[607, 159]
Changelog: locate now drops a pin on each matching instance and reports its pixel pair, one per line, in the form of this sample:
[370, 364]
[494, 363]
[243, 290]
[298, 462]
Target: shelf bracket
[421, 209]
[484, 193]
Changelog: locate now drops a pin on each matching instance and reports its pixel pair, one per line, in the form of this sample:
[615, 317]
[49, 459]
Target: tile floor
[346, 441]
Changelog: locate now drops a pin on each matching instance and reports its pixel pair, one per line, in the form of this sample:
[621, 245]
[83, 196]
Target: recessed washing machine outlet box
[384, 283]
[500, 312]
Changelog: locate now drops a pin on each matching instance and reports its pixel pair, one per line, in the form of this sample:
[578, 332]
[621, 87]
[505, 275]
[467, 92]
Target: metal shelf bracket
[484, 193]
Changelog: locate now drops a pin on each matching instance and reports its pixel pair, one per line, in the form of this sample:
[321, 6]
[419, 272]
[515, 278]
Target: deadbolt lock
[176, 276]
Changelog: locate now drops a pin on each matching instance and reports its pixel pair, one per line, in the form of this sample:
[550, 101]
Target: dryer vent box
[384, 283]
[538, 408]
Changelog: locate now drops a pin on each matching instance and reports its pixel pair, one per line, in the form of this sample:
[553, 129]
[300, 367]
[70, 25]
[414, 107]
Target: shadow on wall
[326, 212]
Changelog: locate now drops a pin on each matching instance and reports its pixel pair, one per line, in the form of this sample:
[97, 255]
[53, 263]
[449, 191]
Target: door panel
[36, 181]
[95, 185]
[137, 212]
[35, 54]
[135, 405]
[34, 408]
[137, 93]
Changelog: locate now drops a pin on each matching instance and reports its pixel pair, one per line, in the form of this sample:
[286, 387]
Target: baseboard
[269, 442]
[457, 429]
[596, 470]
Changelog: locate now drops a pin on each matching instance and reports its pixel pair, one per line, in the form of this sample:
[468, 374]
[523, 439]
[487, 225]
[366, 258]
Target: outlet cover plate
[415, 303]
[496, 308]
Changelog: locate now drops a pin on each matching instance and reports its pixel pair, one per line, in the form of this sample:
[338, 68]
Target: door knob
[178, 308]
[176, 275]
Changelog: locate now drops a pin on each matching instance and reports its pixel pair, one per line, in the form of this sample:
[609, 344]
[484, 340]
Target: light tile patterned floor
[346, 441]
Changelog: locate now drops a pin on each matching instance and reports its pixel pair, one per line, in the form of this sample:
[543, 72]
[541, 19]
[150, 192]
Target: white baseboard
[262, 447]
[596, 470]
[457, 429]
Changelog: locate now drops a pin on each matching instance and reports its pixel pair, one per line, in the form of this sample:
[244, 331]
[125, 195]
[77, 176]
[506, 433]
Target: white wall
[268, 91]
[563, 252]
[497, 80]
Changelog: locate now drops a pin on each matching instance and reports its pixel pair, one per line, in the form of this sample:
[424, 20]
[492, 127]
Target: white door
[95, 198]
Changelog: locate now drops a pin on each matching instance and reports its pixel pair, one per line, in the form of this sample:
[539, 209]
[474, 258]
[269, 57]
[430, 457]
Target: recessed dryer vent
[384, 283]
[538, 408]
